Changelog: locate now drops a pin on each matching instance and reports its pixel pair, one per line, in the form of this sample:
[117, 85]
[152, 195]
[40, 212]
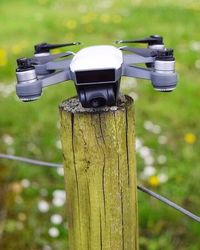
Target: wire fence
[141, 188]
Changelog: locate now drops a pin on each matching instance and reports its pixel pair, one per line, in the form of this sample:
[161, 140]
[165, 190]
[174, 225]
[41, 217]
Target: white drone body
[97, 57]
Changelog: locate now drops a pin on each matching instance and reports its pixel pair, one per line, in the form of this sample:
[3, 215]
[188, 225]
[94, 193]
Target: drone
[96, 70]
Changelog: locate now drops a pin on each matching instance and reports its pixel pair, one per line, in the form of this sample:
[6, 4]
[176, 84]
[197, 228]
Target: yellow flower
[190, 138]
[3, 57]
[88, 18]
[154, 181]
[71, 24]
[105, 18]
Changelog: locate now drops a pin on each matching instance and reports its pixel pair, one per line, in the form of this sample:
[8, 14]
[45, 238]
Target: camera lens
[97, 102]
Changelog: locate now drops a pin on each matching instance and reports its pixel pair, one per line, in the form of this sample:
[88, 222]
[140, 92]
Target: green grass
[34, 125]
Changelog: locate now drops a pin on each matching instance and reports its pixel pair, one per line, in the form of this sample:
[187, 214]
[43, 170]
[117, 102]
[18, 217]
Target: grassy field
[32, 214]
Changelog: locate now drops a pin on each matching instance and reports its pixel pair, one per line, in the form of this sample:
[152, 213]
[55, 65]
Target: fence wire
[141, 188]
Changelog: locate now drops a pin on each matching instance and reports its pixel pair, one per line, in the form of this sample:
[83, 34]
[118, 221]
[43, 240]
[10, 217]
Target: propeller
[46, 47]
[151, 40]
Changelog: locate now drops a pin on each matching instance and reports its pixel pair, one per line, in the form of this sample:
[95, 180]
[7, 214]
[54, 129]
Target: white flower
[138, 144]
[163, 178]
[195, 45]
[53, 232]
[58, 202]
[148, 125]
[59, 197]
[60, 171]
[7, 139]
[162, 159]
[59, 194]
[6, 89]
[162, 139]
[144, 152]
[58, 144]
[56, 219]
[148, 160]
[156, 129]
[43, 206]
[25, 183]
[149, 171]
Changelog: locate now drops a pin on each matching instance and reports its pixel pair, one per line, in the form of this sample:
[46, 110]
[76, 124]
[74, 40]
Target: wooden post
[100, 175]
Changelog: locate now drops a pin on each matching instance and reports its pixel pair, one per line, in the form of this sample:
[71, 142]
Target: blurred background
[32, 199]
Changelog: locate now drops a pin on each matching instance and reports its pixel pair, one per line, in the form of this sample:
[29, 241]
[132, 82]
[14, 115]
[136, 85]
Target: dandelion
[190, 138]
[71, 24]
[17, 49]
[90, 17]
[3, 57]
[53, 232]
[43, 206]
[56, 219]
[105, 18]
[154, 181]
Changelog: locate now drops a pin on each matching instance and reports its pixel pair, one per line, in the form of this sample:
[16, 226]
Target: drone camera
[97, 88]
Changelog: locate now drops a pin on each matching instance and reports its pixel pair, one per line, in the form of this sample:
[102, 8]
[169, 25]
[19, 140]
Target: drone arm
[135, 59]
[131, 71]
[58, 65]
[56, 78]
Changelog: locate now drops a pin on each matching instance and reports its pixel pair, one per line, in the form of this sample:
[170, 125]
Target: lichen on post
[100, 175]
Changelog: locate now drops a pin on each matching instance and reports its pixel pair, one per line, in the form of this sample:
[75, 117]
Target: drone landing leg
[100, 175]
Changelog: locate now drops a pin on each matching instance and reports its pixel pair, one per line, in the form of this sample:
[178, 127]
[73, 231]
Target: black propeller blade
[151, 40]
[46, 47]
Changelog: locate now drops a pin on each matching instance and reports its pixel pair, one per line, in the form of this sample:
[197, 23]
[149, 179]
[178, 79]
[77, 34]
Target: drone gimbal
[96, 70]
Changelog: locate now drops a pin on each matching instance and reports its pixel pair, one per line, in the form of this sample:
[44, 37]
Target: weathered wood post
[100, 175]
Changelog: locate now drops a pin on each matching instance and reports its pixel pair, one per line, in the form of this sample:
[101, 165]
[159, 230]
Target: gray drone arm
[132, 71]
[44, 69]
[55, 78]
